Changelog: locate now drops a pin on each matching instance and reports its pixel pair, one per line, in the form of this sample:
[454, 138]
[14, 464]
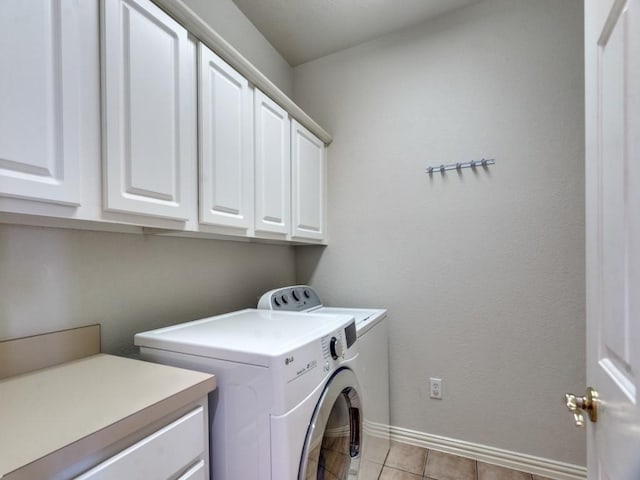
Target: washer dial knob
[336, 348]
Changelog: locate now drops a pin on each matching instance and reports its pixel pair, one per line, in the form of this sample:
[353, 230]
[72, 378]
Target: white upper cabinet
[308, 167]
[39, 114]
[273, 166]
[225, 141]
[148, 110]
[112, 113]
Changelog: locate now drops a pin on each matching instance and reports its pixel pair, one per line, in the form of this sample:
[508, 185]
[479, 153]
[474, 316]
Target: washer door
[332, 447]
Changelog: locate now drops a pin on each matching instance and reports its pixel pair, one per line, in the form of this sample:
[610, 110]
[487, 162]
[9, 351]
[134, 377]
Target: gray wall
[482, 273]
[53, 279]
[228, 21]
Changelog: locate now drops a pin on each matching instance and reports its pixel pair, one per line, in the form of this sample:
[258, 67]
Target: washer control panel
[290, 299]
[329, 354]
[335, 347]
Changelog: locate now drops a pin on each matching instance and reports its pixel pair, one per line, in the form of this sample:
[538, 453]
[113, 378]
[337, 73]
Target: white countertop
[98, 398]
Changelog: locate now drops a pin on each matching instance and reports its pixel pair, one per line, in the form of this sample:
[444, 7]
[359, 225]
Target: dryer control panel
[290, 299]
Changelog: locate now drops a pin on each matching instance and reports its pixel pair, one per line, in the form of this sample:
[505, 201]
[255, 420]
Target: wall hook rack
[460, 165]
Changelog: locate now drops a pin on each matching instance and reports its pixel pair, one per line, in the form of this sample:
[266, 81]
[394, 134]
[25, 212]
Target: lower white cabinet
[308, 184]
[179, 448]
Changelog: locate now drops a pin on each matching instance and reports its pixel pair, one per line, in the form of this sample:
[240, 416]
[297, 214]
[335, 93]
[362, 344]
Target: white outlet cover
[435, 388]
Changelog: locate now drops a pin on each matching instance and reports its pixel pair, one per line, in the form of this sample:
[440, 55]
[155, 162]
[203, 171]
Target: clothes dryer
[372, 366]
[288, 404]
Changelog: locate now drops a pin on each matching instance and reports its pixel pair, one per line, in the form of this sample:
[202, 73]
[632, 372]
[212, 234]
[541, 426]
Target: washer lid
[248, 336]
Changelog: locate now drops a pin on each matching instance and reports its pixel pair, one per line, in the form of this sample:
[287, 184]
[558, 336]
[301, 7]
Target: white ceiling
[303, 30]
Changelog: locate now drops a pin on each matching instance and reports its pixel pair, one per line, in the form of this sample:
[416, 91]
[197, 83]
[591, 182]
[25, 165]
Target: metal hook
[459, 166]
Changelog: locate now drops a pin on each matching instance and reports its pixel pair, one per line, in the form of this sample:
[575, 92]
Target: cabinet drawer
[197, 472]
[162, 454]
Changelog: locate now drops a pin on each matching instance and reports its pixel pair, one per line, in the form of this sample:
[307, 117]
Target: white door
[39, 109]
[273, 166]
[226, 135]
[149, 110]
[308, 166]
[612, 70]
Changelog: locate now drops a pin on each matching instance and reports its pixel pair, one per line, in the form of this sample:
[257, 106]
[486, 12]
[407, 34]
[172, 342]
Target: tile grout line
[384, 464]
[426, 459]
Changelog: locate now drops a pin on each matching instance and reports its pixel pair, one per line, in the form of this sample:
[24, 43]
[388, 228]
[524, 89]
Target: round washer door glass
[332, 446]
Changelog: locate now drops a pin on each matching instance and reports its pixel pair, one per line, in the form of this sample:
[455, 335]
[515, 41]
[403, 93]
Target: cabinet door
[225, 140]
[39, 144]
[273, 166]
[148, 81]
[308, 166]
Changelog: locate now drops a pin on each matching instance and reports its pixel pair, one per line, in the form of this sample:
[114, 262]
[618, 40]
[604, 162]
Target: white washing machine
[287, 406]
[372, 366]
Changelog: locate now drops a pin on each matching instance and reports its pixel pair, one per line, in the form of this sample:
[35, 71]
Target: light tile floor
[408, 462]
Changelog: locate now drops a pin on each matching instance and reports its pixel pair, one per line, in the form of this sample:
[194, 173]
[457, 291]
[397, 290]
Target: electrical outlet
[435, 388]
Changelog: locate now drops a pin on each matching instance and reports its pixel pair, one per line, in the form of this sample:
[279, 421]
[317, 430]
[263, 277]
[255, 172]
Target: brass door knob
[588, 403]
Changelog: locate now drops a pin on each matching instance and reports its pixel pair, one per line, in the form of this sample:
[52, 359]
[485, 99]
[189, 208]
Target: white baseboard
[504, 458]
[375, 429]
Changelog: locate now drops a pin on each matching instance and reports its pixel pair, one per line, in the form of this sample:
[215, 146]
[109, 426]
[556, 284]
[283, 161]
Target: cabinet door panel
[148, 74]
[308, 184]
[273, 166]
[39, 152]
[226, 160]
